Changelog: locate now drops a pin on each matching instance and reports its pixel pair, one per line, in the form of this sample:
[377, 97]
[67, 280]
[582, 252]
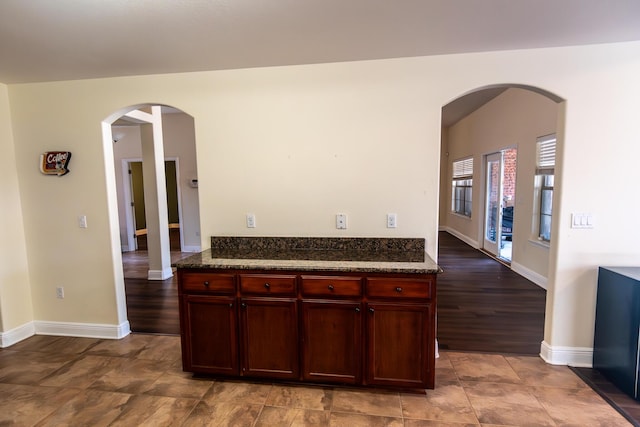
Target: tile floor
[55, 381]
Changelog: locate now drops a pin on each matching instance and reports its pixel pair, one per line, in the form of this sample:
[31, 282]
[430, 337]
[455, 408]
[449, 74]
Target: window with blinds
[463, 168]
[546, 155]
[545, 168]
[462, 186]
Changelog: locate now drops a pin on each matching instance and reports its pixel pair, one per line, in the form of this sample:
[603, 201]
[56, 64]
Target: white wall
[513, 119]
[16, 311]
[297, 144]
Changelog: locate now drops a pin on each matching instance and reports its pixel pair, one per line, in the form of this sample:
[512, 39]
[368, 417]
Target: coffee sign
[55, 162]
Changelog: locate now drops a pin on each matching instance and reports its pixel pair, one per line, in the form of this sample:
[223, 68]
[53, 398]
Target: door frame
[128, 199]
[487, 245]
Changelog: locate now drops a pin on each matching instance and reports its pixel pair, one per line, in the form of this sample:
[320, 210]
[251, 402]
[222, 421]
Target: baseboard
[16, 335]
[85, 330]
[192, 249]
[580, 357]
[469, 241]
[536, 278]
[160, 274]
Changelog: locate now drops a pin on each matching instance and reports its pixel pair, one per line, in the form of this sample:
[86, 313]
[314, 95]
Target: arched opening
[154, 207]
[495, 211]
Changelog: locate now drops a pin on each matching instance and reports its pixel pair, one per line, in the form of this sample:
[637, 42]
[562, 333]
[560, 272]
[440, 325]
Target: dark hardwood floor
[483, 305]
[152, 305]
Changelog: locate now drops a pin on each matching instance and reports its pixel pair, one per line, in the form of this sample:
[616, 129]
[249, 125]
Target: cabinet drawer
[267, 284]
[326, 286]
[208, 282]
[399, 288]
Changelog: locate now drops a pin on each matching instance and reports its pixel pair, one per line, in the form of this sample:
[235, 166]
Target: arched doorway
[479, 129]
[160, 142]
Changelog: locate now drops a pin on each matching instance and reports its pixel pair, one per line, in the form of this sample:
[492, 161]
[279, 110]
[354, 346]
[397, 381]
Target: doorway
[139, 225]
[500, 188]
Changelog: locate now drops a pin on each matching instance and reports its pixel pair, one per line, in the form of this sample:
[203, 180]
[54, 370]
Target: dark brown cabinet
[400, 332]
[332, 329]
[325, 327]
[210, 343]
[332, 341]
[269, 337]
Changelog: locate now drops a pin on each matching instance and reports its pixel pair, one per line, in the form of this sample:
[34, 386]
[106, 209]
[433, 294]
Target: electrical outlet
[60, 292]
[341, 221]
[251, 220]
[392, 220]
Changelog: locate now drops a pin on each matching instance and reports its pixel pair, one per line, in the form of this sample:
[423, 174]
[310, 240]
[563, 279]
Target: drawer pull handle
[398, 289]
[357, 309]
[266, 285]
[206, 284]
[371, 310]
[330, 287]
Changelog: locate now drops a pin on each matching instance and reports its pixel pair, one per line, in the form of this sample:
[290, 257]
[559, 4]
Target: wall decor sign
[55, 162]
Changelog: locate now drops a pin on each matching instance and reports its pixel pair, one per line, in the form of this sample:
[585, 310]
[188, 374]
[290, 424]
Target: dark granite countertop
[374, 255]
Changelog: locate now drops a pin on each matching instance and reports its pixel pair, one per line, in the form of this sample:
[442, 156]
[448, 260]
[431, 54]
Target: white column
[155, 195]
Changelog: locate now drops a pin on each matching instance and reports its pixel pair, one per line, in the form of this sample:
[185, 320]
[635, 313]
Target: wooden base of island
[363, 329]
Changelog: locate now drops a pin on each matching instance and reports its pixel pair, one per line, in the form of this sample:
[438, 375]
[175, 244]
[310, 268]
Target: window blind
[546, 155]
[463, 168]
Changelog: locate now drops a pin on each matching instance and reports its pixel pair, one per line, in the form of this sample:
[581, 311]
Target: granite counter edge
[204, 260]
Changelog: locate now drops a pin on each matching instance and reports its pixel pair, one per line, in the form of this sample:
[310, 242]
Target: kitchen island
[354, 311]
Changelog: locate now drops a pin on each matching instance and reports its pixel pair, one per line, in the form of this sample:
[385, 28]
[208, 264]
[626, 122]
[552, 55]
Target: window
[545, 167]
[462, 186]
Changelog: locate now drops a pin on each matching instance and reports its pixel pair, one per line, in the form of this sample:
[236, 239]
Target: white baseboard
[16, 335]
[160, 274]
[536, 278]
[580, 357]
[85, 330]
[67, 329]
[469, 241]
[192, 249]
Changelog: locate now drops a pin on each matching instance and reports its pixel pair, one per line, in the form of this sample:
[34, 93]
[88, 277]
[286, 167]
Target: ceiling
[46, 40]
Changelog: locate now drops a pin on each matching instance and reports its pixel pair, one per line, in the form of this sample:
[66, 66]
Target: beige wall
[295, 145]
[513, 119]
[15, 291]
[179, 143]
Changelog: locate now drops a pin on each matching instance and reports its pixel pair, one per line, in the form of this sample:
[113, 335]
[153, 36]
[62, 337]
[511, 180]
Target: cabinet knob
[206, 284]
[266, 285]
[357, 309]
[243, 305]
[398, 289]
[371, 310]
[330, 287]
[231, 304]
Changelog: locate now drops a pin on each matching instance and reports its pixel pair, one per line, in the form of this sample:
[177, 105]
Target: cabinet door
[399, 345]
[269, 333]
[332, 341]
[210, 343]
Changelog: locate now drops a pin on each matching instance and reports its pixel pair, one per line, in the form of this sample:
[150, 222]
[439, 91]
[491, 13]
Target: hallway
[485, 306]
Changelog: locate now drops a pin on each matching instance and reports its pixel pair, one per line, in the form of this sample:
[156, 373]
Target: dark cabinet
[324, 327]
[210, 343]
[332, 341]
[269, 337]
[398, 345]
[400, 332]
[616, 351]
